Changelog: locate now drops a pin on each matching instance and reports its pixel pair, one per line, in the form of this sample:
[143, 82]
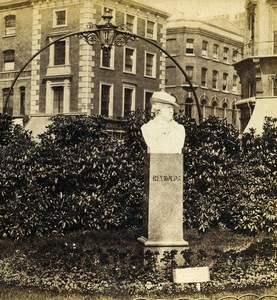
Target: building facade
[206, 50]
[71, 76]
[258, 68]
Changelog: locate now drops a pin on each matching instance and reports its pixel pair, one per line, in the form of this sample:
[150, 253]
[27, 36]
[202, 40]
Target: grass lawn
[101, 265]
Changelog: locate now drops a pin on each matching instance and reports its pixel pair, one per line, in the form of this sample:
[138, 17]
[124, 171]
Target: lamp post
[107, 35]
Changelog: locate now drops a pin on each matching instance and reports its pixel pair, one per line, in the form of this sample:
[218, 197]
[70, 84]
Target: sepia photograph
[138, 149]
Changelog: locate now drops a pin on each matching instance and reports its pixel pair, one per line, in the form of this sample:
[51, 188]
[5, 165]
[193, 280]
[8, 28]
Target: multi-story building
[71, 76]
[206, 51]
[258, 68]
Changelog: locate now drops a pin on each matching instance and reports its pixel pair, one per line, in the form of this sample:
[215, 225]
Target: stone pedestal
[163, 205]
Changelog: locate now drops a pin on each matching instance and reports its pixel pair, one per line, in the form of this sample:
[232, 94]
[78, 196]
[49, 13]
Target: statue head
[163, 105]
[163, 135]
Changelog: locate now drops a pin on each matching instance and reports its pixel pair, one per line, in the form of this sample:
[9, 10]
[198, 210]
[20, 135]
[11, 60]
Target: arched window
[214, 105]
[203, 103]
[224, 109]
[188, 107]
[235, 114]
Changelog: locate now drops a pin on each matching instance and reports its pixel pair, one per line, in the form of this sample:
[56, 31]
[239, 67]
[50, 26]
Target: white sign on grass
[191, 275]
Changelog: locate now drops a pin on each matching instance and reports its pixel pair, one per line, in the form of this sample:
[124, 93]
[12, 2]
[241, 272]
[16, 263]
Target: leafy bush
[82, 177]
[78, 177]
[15, 146]
[254, 207]
[211, 151]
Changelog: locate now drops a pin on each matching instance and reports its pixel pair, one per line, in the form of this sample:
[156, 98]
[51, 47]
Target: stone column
[163, 205]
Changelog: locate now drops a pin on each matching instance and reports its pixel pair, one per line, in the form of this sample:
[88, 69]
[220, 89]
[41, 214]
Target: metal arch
[122, 38]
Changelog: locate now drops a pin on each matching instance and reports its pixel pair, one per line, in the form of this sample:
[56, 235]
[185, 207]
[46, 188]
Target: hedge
[81, 177]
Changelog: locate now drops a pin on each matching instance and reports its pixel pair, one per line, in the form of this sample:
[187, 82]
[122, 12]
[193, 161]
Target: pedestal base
[164, 246]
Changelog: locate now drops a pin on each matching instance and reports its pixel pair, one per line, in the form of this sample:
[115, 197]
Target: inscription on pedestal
[166, 178]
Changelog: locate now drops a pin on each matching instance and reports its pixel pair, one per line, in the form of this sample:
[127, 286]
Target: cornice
[204, 32]
[14, 4]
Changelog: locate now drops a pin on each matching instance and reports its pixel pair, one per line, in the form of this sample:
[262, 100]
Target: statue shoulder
[179, 126]
[147, 125]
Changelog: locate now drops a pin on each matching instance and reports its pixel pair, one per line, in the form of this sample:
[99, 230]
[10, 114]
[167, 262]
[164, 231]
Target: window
[147, 104]
[251, 92]
[275, 86]
[10, 25]
[9, 58]
[188, 107]
[203, 77]
[275, 42]
[130, 60]
[151, 31]
[59, 18]
[131, 23]
[129, 99]
[171, 46]
[106, 100]
[150, 64]
[214, 105]
[22, 92]
[59, 53]
[215, 80]
[224, 109]
[215, 51]
[58, 93]
[225, 54]
[203, 104]
[170, 75]
[205, 48]
[9, 109]
[189, 72]
[107, 58]
[235, 84]
[235, 55]
[225, 82]
[251, 25]
[189, 46]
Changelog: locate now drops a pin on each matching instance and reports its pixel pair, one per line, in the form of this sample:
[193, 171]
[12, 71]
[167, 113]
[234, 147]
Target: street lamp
[107, 35]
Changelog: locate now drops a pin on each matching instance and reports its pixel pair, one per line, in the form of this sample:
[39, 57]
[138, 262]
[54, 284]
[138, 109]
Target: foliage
[78, 177]
[210, 153]
[107, 263]
[250, 267]
[254, 208]
[15, 146]
[82, 177]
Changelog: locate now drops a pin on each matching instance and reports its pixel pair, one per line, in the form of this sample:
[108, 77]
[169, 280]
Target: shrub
[211, 151]
[81, 177]
[254, 207]
[15, 147]
[78, 177]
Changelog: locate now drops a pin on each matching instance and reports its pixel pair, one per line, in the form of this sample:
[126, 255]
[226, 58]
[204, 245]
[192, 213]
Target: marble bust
[163, 134]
